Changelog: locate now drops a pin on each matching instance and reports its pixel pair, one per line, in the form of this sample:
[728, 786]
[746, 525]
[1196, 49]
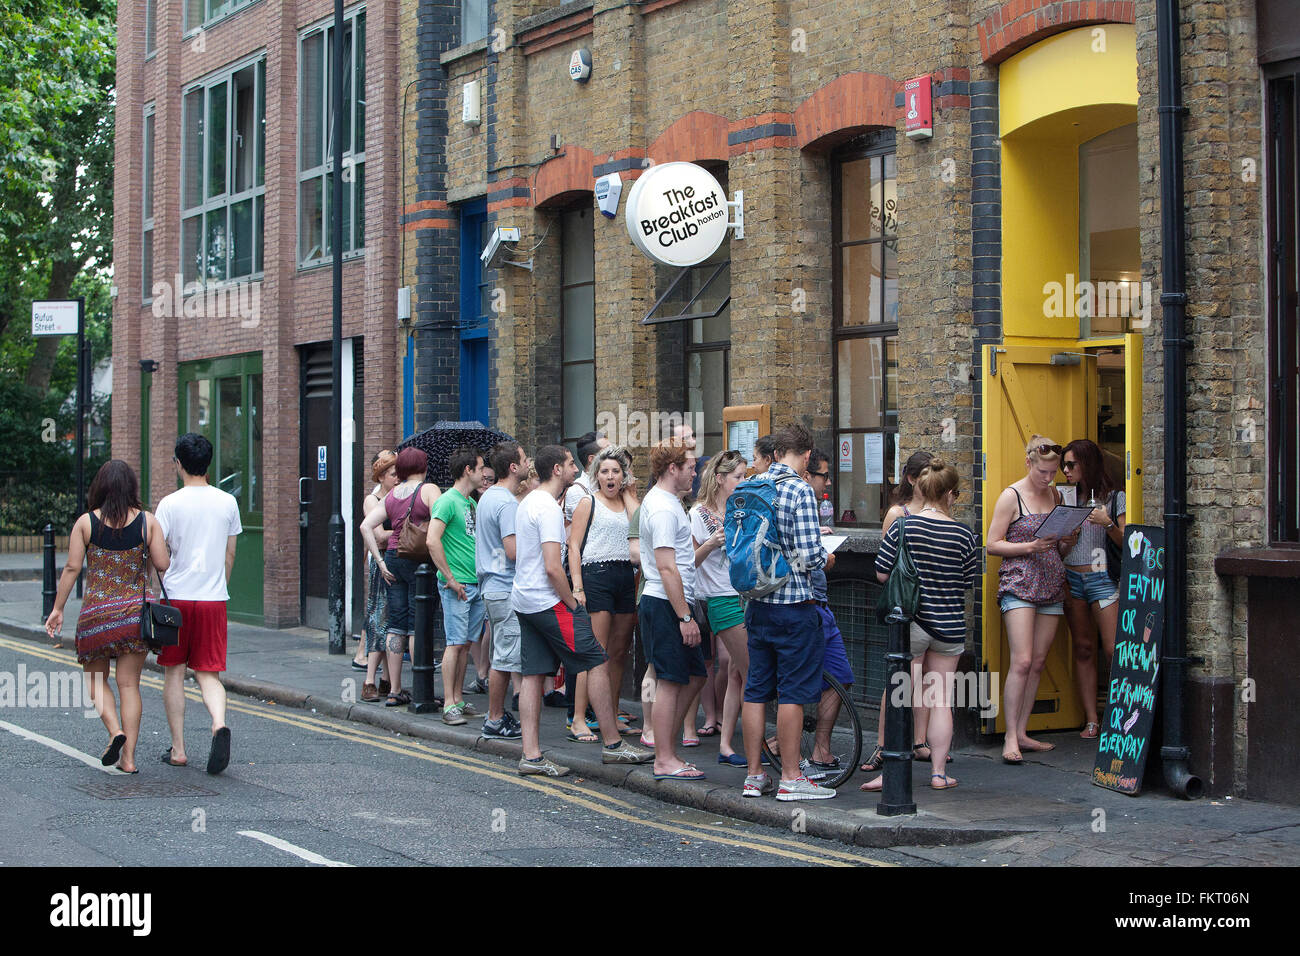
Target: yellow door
[1029, 390]
[1133, 427]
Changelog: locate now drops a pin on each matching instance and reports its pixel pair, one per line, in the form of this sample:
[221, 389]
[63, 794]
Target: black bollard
[896, 790]
[423, 699]
[50, 588]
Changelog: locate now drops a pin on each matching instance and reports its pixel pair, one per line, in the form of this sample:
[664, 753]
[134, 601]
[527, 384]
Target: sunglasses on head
[1048, 450]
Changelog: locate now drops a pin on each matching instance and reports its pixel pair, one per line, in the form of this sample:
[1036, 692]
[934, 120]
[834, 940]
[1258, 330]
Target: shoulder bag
[903, 589]
[160, 623]
[1113, 555]
[413, 542]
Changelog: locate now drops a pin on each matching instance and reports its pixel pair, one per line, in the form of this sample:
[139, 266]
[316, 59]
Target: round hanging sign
[677, 214]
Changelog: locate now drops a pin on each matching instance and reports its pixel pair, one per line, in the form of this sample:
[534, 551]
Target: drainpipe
[1173, 305]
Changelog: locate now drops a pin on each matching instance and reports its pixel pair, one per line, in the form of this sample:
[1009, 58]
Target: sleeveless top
[117, 564]
[607, 535]
[397, 508]
[1037, 578]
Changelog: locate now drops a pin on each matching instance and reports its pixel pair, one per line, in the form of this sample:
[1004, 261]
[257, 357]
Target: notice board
[742, 425]
[1125, 739]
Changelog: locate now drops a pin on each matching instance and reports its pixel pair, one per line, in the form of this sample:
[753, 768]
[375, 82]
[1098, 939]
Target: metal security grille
[853, 602]
[113, 789]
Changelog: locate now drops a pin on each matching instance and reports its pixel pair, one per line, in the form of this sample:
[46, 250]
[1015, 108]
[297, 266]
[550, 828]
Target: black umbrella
[440, 441]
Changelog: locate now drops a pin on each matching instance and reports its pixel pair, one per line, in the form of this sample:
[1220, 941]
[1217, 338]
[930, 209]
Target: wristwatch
[685, 620]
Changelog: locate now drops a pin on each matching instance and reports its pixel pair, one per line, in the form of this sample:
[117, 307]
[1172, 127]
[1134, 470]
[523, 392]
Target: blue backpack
[757, 564]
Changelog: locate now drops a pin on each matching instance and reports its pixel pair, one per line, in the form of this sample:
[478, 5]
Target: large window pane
[579, 247]
[192, 174]
[884, 195]
[359, 215]
[473, 20]
[311, 242]
[860, 382]
[857, 500]
[312, 93]
[860, 284]
[198, 407]
[148, 165]
[193, 14]
[244, 139]
[215, 229]
[579, 323]
[232, 464]
[855, 200]
[359, 85]
[706, 392]
[889, 271]
[241, 239]
[259, 231]
[146, 265]
[579, 398]
[192, 249]
[216, 140]
[259, 176]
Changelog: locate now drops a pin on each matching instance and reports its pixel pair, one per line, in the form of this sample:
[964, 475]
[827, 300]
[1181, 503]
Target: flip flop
[690, 741]
[1091, 730]
[219, 755]
[646, 743]
[688, 772]
[120, 770]
[945, 778]
[113, 751]
[581, 738]
[709, 730]
[167, 759]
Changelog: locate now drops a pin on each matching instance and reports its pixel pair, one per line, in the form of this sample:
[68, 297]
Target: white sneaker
[757, 786]
[803, 789]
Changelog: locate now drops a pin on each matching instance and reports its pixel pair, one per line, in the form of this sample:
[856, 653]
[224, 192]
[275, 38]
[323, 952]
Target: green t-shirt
[457, 512]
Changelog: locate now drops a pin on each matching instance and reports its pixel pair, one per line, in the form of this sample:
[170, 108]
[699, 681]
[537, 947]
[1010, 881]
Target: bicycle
[844, 732]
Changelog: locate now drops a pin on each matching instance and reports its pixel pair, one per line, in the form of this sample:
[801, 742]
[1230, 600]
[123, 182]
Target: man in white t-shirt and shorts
[553, 627]
[200, 524]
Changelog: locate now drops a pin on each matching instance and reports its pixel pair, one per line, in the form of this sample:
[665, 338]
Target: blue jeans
[400, 592]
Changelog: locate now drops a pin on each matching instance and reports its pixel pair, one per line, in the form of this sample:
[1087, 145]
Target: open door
[1133, 427]
[1029, 390]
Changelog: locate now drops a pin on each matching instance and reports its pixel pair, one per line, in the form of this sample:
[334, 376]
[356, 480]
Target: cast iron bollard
[50, 587]
[423, 700]
[896, 789]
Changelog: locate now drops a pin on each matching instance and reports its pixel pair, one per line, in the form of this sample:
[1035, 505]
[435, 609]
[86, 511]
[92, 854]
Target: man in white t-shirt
[670, 633]
[200, 524]
[553, 627]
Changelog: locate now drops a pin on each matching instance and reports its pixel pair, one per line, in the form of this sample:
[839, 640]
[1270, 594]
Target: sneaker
[818, 771]
[544, 766]
[469, 710]
[453, 715]
[757, 786]
[554, 699]
[369, 694]
[626, 753]
[803, 789]
[501, 729]
[511, 721]
[479, 686]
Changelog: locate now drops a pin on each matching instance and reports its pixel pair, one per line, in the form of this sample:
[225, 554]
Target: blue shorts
[1009, 602]
[1092, 586]
[661, 634]
[462, 621]
[786, 647]
[835, 661]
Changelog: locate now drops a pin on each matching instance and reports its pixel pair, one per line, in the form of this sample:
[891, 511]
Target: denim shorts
[400, 592]
[462, 621]
[1092, 586]
[610, 586]
[1009, 602]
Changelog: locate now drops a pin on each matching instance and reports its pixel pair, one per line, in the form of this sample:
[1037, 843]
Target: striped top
[944, 555]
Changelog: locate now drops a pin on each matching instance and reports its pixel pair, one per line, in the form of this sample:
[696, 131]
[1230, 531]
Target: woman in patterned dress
[384, 472]
[119, 540]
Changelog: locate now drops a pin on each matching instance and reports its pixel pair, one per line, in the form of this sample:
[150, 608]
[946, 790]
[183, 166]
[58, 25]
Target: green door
[222, 400]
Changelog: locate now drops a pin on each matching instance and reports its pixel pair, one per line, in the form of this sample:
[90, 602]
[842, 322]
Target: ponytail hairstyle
[937, 479]
[911, 471]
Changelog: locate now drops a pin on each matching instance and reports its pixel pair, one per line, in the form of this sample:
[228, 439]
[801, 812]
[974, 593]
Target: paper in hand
[1062, 521]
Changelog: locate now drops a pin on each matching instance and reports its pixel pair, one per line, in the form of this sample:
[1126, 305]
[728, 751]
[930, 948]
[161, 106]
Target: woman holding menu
[1031, 586]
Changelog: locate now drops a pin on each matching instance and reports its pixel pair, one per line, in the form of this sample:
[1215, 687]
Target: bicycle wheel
[842, 732]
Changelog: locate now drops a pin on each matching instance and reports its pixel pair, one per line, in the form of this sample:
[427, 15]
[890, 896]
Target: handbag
[1113, 556]
[413, 543]
[160, 623]
[903, 589]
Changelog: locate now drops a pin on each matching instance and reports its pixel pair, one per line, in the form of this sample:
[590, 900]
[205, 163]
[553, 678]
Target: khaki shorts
[506, 655]
[922, 642]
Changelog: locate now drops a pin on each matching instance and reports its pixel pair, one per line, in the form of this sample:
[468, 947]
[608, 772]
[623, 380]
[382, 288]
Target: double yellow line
[604, 804]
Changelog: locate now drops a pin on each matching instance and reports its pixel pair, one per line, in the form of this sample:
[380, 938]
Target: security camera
[493, 251]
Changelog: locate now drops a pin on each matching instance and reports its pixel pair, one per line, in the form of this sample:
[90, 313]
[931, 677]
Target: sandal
[925, 745]
[400, 699]
[1091, 730]
[690, 741]
[874, 762]
[710, 730]
[948, 782]
[580, 737]
[113, 751]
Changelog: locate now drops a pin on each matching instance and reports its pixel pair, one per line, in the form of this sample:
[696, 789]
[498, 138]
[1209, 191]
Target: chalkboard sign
[1125, 739]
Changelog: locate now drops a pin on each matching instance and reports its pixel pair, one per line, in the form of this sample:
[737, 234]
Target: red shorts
[202, 642]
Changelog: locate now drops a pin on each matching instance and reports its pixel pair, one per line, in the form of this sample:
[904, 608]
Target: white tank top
[607, 538]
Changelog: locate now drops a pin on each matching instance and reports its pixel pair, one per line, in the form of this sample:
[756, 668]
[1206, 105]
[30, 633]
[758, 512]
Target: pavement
[1046, 811]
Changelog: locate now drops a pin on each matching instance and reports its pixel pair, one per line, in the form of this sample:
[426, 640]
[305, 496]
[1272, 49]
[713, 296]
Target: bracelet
[579, 591]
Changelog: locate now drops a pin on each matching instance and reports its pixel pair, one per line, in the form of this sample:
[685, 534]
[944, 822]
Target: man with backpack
[786, 641]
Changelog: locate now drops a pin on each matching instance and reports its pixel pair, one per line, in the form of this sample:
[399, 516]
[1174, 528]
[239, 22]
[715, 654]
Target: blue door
[476, 299]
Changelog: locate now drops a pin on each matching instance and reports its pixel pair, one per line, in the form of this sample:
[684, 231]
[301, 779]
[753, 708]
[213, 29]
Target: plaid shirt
[799, 532]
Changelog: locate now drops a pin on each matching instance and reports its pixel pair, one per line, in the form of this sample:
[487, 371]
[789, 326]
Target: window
[865, 352]
[201, 13]
[708, 348]
[578, 335]
[316, 139]
[1282, 116]
[474, 22]
[146, 254]
[1109, 254]
[150, 27]
[223, 170]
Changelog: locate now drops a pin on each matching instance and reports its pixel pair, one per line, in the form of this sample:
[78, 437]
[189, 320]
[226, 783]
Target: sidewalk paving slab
[1050, 796]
